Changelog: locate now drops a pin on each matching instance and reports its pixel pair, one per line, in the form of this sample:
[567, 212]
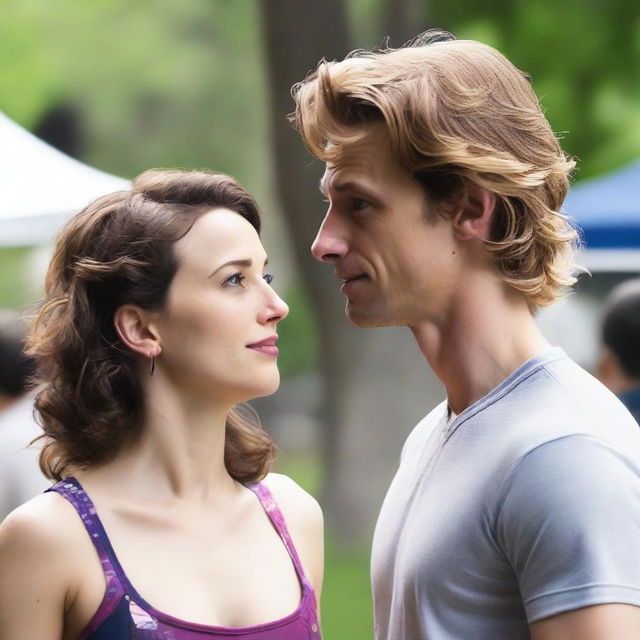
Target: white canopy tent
[40, 187]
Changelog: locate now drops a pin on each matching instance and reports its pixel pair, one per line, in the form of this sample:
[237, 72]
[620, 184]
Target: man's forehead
[344, 176]
[364, 162]
[358, 161]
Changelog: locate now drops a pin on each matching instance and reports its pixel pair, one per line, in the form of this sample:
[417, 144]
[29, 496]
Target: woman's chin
[266, 388]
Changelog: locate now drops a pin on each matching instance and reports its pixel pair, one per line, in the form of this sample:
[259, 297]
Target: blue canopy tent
[607, 209]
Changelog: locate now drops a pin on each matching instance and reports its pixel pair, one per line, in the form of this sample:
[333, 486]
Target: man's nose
[331, 242]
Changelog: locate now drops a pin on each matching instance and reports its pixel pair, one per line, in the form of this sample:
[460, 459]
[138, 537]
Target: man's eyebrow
[246, 262]
[348, 185]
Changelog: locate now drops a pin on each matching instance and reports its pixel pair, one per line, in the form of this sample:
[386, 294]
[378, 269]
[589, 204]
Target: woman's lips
[267, 346]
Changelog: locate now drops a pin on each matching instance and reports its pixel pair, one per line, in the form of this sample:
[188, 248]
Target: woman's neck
[179, 449]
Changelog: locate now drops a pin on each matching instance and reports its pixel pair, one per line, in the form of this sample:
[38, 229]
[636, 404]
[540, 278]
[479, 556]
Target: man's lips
[347, 277]
[267, 346]
[352, 281]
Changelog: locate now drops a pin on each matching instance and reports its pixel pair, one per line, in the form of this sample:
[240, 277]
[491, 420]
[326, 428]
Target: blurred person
[619, 361]
[515, 512]
[20, 475]
[164, 522]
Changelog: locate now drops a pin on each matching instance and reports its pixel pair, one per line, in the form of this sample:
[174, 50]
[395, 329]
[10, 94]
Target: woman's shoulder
[304, 520]
[39, 557]
[293, 500]
[44, 526]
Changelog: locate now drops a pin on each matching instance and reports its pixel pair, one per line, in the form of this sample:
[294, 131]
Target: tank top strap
[72, 491]
[277, 519]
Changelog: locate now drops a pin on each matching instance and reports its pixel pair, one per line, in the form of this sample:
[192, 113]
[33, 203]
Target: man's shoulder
[545, 412]
[559, 398]
[574, 401]
[429, 422]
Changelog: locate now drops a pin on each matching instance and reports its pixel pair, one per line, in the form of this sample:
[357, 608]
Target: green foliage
[28, 82]
[15, 289]
[584, 58]
[298, 336]
[158, 84]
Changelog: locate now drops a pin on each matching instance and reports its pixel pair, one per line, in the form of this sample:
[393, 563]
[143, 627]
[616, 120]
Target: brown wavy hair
[456, 110]
[119, 250]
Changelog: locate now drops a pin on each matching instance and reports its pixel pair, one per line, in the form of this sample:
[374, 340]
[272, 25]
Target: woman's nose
[276, 309]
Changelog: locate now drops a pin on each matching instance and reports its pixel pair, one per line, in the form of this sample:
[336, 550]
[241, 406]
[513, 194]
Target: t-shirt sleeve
[570, 526]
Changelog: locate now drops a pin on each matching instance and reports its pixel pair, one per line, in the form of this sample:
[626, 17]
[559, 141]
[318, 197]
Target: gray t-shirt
[524, 506]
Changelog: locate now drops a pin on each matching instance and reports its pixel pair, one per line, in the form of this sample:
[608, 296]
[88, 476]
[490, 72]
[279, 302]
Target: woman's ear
[136, 331]
[474, 214]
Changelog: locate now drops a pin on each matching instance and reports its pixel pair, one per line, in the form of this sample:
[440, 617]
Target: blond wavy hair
[456, 110]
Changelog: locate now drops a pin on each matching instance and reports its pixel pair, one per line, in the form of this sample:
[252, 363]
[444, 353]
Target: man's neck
[483, 338]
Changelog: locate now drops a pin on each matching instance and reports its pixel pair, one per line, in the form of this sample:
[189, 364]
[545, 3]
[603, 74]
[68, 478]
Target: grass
[346, 596]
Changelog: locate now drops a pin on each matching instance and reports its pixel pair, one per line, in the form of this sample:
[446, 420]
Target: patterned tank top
[125, 615]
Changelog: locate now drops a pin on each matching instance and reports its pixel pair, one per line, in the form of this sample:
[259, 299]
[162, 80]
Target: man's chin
[364, 318]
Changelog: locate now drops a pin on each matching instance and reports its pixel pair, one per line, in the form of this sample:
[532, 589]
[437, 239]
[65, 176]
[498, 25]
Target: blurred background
[124, 86]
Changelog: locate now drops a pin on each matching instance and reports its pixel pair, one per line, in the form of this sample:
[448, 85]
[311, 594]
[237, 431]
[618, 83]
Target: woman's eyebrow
[247, 262]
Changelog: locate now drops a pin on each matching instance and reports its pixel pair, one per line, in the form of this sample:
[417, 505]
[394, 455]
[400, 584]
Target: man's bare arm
[601, 622]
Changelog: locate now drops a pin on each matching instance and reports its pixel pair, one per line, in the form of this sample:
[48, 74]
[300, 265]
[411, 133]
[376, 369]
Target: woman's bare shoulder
[44, 524]
[39, 567]
[293, 499]
[305, 522]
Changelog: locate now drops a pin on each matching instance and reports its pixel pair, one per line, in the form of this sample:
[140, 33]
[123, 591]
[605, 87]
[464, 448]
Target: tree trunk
[375, 383]
[404, 19]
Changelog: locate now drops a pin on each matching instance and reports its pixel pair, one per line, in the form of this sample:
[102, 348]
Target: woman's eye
[235, 279]
[268, 278]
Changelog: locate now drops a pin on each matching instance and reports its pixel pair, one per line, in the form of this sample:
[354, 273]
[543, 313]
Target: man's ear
[474, 213]
[134, 328]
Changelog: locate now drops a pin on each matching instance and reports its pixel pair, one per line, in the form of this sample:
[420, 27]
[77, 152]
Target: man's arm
[570, 528]
[602, 622]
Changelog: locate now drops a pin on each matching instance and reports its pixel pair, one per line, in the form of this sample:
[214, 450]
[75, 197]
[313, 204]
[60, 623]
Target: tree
[375, 383]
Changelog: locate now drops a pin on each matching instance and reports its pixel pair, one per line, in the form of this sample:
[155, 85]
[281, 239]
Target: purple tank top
[124, 615]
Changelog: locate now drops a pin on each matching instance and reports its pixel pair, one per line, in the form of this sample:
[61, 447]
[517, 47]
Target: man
[515, 512]
[20, 475]
[619, 362]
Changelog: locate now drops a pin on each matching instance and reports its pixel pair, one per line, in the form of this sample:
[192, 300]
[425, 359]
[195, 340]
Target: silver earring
[152, 365]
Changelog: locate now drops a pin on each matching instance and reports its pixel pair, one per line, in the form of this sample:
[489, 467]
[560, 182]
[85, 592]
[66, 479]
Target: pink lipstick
[266, 346]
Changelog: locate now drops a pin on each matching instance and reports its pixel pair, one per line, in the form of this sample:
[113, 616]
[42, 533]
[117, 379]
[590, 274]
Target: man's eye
[358, 203]
[268, 278]
[234, 280]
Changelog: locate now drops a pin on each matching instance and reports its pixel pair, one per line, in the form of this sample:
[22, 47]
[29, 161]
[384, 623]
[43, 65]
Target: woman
[158, 320]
